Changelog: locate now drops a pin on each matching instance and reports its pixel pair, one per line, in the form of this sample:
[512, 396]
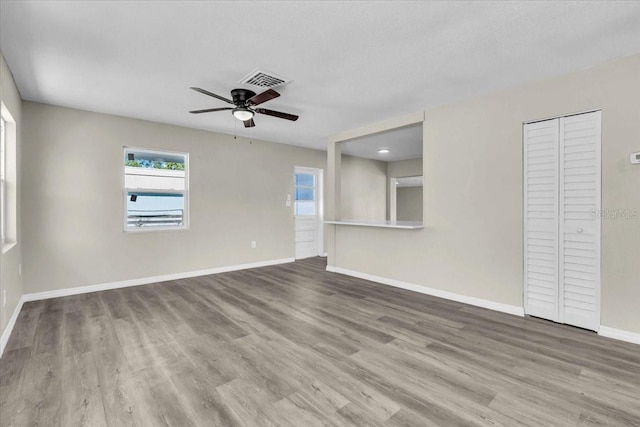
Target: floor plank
[294, 345]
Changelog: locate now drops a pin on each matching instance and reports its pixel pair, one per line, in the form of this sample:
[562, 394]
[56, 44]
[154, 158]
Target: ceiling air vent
[262, 78]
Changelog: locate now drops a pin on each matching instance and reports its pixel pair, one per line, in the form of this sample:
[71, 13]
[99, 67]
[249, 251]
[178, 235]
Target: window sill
[6, 247]
[151, 230]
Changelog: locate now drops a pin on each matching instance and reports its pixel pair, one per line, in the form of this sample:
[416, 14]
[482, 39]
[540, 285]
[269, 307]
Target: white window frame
[314, 187]
[127, 190]
[8, 181]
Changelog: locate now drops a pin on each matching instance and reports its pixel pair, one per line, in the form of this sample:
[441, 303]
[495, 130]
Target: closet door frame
[561, 215]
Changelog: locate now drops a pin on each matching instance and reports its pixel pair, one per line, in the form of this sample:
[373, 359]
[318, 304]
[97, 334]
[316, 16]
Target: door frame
[319, 223]
[393, 198]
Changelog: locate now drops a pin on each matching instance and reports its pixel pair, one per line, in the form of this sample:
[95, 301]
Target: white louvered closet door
[580, 160]
[541, 188]
[562, 229]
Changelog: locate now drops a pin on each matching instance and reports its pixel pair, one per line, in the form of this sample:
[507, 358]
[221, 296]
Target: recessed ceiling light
[383, 150]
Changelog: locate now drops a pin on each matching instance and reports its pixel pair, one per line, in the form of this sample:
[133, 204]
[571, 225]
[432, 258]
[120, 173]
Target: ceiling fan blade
[206, 92]
[263, 97]
[249, 123]
[210, 110]
[278, 114]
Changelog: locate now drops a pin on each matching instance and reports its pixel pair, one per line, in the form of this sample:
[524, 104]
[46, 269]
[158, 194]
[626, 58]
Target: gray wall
[73, 202]
[399, 169]
[364, 189]
[409, 204]
[10, 279]
[472, 240]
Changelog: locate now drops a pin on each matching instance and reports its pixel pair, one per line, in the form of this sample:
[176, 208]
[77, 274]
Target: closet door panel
[580, 203]
[541, 251]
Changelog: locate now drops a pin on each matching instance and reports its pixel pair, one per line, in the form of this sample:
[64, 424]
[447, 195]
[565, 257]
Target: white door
[541, 144]
[580, 206]
[562, 222]
[306, 208]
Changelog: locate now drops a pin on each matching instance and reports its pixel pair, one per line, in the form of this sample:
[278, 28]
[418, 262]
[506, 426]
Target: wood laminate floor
[293, 345]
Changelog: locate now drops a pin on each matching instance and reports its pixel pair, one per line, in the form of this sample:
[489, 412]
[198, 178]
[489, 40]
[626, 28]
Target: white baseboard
[619, 334]
[4, 339]
[147, 280]
[605, 331]
[478, 302]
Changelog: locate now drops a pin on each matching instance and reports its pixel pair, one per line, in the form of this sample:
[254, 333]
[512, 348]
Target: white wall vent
[262, 78]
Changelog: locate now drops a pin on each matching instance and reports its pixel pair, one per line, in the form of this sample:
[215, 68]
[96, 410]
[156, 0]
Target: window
[305, 200]
[3, 184]
[155, 190]
[8, 180]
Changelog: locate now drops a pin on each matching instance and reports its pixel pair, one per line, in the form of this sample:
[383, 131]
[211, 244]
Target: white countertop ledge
[407, 225]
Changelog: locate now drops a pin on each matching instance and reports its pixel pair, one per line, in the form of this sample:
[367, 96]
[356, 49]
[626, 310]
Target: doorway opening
[307, 211]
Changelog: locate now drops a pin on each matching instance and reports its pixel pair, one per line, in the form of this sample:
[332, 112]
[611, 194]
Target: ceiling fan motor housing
[241, 96]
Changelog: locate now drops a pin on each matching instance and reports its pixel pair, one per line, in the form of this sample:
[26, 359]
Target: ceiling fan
[245, 100]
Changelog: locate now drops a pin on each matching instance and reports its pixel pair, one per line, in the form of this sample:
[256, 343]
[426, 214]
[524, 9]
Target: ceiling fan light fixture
[242, 113]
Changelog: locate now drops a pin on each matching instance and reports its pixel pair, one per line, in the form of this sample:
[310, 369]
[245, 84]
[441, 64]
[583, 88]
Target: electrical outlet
[4, 297]
[253, 244]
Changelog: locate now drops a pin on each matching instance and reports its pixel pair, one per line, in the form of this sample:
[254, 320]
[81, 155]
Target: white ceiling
[352, 63]
[404, 143]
